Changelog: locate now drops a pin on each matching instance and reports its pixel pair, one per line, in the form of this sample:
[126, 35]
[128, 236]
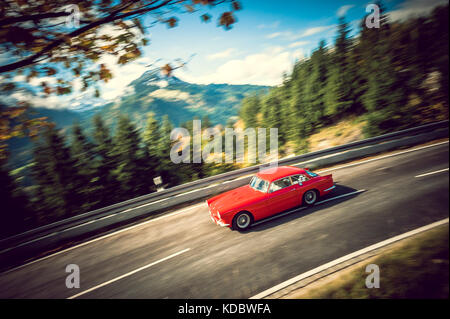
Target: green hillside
[180, 100]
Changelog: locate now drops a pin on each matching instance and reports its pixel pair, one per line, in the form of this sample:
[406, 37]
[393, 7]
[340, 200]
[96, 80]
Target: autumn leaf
[236, 5]
[50, 71]
[105, 73]
[172, 22]
[61, 90]
[189, 8]
[167, 70]
[138, 24]
[205, 17]
[226, 20]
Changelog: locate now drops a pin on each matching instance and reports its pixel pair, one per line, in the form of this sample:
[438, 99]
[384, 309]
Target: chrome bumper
[218, 221]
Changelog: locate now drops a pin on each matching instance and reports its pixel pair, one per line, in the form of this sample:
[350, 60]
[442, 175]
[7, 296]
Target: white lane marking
[129, 273]
[104, 236]
[377, 158]
[303, 207]
[430, 173]
[345, 258]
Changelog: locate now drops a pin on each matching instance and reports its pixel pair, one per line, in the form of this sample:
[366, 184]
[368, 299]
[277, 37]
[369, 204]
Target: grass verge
[417, 267]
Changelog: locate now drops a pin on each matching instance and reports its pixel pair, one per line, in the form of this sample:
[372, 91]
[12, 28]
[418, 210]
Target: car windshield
[259, 184]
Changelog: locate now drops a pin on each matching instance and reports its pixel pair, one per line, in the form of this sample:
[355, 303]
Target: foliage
[395, 76]
[85, 172]
[51, 38]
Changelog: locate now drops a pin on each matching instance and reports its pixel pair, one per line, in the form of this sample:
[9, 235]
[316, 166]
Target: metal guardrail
[139, 206]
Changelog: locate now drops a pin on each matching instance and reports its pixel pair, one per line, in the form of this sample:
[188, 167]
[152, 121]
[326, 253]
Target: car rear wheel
[310, 197]
[242, 220]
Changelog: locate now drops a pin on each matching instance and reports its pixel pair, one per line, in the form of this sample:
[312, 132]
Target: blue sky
[265, 42]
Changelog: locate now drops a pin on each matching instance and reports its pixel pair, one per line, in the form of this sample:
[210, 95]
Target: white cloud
[174, 95]
[77, 84]
[41, 100]
[274, 35]
[221, 55]
[19, 78]
[36, 81]
[412, 8]
[343, 10]
[298, 44]
[116, 87]
[292, 36]
[122, 75]
[315, 30]
[265, 68]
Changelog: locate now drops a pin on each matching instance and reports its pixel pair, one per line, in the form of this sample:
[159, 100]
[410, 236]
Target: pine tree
[300, 127]
[83, 154]
[151, 139]
[170, 172]
[107, 187]
[385, 98]
[127, 152]
[315, 89]
[339, 98]
[249, 111]
[15, 205]
[56, 176]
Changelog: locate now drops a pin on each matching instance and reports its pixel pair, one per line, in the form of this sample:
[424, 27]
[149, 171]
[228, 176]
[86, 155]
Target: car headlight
[218, 214]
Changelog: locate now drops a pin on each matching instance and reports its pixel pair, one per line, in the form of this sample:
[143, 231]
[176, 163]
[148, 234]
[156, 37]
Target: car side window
[311, 174]
[279, 184]
[298, 179]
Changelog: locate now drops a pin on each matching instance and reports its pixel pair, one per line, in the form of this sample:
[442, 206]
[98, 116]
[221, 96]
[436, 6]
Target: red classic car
[268, 193]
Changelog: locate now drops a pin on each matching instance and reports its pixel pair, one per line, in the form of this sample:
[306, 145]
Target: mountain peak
[155, 77]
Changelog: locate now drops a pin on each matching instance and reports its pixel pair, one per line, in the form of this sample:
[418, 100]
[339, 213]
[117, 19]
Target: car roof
[272, 174]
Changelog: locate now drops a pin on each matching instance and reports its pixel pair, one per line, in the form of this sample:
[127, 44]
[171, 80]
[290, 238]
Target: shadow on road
[300, 211]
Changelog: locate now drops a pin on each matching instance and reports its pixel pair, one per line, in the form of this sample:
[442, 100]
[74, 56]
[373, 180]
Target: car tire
[310, 197]
[242, 221]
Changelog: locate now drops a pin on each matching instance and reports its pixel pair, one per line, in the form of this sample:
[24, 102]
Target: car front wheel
[242, 221]
[310, 197]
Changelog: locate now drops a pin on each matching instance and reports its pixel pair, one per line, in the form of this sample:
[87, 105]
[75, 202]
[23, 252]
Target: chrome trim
[221, 223]
[329, 189]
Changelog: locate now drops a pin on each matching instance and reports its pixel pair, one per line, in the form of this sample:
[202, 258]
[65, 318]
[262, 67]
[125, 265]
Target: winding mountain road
[185, 255]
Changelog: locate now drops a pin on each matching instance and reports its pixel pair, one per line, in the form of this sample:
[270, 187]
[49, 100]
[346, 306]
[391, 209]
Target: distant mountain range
[151, 92]
[181, 101]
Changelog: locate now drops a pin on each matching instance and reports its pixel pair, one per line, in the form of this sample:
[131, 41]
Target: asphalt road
[185, 255]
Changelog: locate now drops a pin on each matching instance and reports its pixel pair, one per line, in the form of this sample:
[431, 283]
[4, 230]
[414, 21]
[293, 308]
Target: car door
[304, 183]
[282, 195]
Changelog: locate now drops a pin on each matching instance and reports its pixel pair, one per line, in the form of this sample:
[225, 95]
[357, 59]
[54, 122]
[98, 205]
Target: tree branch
[33, 17]
[110, 18]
